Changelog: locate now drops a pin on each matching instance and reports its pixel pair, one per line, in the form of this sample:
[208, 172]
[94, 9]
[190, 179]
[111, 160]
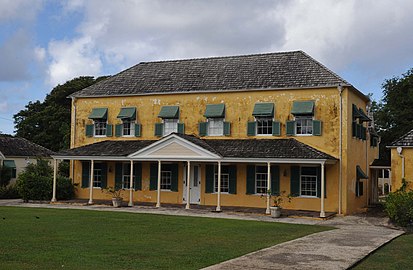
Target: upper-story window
[100, 127]
[170, 121]
[304, 123]
[215, 124]
[128, 127]
[264, 124]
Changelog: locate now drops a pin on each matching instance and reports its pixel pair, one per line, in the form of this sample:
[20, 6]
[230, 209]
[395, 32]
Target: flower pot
[117, 202]
[275, 211]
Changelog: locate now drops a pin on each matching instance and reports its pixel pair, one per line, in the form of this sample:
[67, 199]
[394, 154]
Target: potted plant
[277, 202]
[116, 195]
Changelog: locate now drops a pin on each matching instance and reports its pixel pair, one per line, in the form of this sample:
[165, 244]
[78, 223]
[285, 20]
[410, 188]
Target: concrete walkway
[354, 238]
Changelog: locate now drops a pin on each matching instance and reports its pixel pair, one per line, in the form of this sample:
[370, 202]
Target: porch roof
[225, 148]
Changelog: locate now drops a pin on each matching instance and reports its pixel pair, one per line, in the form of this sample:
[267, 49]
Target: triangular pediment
[174, 147]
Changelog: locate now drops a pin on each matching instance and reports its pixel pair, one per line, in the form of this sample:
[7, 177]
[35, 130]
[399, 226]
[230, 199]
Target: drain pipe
[340, 150]
[72, 141]
[399, 151]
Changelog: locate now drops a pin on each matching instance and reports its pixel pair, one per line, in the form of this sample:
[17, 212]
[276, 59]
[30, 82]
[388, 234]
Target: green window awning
[263, 109]
[9, 163]
[303, 108]
[99, 113]
[360, 173]
[127, 113]
[169, 112]
[363, 116]
[215, 111]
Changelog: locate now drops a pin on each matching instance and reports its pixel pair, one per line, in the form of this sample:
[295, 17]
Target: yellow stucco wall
[239, 107]
[396, 168]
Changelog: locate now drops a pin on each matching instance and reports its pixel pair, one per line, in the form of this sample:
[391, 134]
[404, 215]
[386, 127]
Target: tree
[393, 115]
[48, 123]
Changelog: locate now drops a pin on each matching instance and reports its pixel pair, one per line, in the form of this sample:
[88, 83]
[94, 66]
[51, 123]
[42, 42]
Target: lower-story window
[97, 177]
[308, 181]
[126, 176]
[261, 177]
[224, 182]
[166, 180]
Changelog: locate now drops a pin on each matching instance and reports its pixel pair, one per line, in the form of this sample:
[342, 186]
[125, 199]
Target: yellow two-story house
[225, 131]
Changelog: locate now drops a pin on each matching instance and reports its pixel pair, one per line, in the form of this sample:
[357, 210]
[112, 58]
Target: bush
[36, 183]
[5, 176]
[9, 192]
[399, 207]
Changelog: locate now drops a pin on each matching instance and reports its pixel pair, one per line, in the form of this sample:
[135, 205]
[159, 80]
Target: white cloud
[19, 9]
[72, 59]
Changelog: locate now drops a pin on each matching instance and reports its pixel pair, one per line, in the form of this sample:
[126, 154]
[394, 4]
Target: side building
[401, 160]
[237, 126]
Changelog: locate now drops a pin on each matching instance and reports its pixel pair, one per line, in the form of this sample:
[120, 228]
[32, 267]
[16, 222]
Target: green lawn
[395, 255]
[35, 238]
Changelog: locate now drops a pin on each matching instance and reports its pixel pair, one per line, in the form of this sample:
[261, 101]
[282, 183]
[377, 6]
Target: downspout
[72, 141]
[367, 164]
[340, 150]
[399, 151]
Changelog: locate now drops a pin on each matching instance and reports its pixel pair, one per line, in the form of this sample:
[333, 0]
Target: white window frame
[131, 127]
[173, 122]
[97, 178]
[307, 176]
[96, 127]
[215, 126]
[126, 176]
[166, 180]
[258, 120]
[224, 182]
[304, 118]
[261, 177]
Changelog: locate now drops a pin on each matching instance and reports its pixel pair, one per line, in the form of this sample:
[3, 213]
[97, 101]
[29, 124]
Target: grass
[35, 238]
[395, 255]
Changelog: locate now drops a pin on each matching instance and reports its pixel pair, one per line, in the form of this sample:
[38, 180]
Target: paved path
[354, 238]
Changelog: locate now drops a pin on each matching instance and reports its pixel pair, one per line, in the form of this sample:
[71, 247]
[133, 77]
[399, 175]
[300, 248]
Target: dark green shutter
[363, 133]
[317, 127]
[290, 127]
[209, 178]
[174, 177]
[153, 181]
[138, 128]
[295, 181]
[109, 130]
[276, 128]
[89, 130]
[251, 128]
[232, 171]
[104, 168]
[159, 129]
[181, 128]
[118, 130]
[118, 174]
[85, 174]
[202, 128]
[137, 172]
[354, 129]
[275, 180]
[359, 130]
[318, 173]
[250, 179]
[227, 128]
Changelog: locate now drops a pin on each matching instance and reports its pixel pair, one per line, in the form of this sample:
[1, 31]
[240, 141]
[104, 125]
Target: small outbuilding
[401, 160]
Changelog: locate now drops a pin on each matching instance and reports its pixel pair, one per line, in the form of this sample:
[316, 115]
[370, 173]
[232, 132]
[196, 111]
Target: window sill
[221, 193]
[308, 197]
[303, 135]
[99, 136]
[264, 135]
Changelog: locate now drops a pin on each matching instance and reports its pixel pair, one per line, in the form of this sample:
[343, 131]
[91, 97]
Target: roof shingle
[20, 147]
[405, 140]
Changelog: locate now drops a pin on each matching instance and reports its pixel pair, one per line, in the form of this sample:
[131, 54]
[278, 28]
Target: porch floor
[229, 209]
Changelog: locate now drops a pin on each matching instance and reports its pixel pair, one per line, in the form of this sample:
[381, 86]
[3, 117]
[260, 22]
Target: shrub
[399, 207]
[5, 176]
[36, 183]
[9, 192]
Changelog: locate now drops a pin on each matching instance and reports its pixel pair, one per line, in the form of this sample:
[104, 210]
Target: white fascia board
[108, 158]
[2, 156]
[280, 161]
[402, 146]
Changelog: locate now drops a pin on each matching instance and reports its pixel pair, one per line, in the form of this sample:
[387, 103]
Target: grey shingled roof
[293, 69]
[20, 147]
[107, 148]
[228, 148]
[405, 140]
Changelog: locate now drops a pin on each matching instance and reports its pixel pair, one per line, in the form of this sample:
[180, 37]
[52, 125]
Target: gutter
[399, 152]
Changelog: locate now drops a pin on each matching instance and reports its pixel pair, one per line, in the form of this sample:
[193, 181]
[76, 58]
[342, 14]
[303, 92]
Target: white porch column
[92, 167]
[54, 179]
[158, 197]
[188, 185]
[322, 213]
[218, 209]
[267, 211]
[131, 185]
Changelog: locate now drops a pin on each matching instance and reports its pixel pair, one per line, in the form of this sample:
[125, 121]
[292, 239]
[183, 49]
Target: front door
[194, 185]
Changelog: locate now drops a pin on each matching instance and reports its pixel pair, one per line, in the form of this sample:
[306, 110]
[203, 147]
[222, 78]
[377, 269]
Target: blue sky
[44, 43]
